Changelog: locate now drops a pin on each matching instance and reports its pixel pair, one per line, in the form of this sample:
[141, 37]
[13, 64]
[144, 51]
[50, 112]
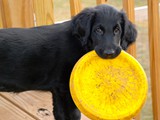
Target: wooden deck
[31, 105]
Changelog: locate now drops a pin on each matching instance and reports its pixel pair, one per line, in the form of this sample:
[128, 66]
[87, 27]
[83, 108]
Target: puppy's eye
[99, 31]
[116, 30]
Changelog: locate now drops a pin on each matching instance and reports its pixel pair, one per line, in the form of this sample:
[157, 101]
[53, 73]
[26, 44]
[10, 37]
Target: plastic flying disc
[108, 89]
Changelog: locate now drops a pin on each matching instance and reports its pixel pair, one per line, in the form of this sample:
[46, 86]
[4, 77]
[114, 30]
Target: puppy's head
[104, 29]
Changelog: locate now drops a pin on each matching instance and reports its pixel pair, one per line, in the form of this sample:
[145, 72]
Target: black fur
[42, 58]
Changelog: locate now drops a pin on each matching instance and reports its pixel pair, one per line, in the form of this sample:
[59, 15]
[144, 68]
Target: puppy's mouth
[108, 54]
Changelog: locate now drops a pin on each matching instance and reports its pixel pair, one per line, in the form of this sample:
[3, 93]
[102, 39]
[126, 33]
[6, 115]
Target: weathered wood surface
[43, 11]
[17, 13]
[31, 105]
[75, 7]
[154, 43]
[128, 6]
[101, 1]
[9, 111]
[26, 105]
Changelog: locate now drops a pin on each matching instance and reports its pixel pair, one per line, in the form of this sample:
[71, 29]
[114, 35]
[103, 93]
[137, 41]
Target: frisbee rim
[95, 116]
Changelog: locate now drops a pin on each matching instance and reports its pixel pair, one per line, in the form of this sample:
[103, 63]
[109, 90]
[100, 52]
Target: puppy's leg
[58, 105]
[64, 107]
[72, 113]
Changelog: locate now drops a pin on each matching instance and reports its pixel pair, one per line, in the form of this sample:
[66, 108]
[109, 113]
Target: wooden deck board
[31, 105]
[8, 111]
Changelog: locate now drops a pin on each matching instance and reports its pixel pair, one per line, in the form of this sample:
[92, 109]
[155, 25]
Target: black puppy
[42, 58]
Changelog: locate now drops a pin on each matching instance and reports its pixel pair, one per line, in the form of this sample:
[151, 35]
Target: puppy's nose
[109, 52]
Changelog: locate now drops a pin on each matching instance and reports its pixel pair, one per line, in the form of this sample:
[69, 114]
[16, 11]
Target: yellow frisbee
[108, 89]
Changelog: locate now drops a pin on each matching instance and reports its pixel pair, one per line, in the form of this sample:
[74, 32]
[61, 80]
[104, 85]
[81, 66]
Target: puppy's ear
[82, 23]
[129, 32]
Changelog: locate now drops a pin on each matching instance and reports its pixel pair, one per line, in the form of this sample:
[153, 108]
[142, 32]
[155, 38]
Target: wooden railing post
[17, 13]
[128, 6]
[1, 22]
[1, 13]
[101, 2]
[75, 7]
[154, 47]
[44, 12]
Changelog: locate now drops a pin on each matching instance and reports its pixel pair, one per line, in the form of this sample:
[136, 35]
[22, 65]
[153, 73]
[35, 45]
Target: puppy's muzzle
[108, 53]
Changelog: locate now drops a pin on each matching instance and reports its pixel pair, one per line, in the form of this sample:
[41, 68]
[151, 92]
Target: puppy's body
[31, 57]
[42, 58]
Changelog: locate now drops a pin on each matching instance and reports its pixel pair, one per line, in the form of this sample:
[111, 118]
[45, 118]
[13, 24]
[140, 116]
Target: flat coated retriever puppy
[42, 58]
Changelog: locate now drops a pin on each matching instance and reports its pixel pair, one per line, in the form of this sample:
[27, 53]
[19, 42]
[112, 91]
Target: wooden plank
[1, 13]
[17, 13]
[9, 111]
[31, 102]
[154, 43]
[128, 6]
[44, 12]
[1, 22]
[75, 7]
[83, 117]
[34, 103]
[101, 2]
